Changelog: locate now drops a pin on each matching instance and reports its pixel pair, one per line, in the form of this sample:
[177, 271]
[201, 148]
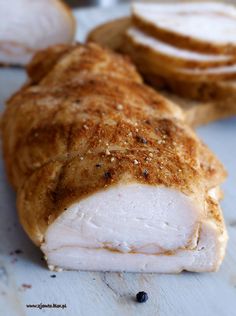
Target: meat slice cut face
[174, 56]
[28, 26]
[190, 25]
[108, 175]
[134, 228]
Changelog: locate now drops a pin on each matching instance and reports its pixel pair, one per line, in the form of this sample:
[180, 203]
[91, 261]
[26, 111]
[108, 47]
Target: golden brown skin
[85, 122]
[40, 65]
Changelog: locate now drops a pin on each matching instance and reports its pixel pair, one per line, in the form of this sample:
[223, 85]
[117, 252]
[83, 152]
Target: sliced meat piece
[195, 90]
[173, 56]
[152, 64]
[110, 34]
[28, 26]
[220, 95]
[108, 175]
[205, 27]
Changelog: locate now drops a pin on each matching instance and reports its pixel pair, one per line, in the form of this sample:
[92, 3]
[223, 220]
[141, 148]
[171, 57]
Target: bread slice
[28, 26]
[193, 96]
[206, 27]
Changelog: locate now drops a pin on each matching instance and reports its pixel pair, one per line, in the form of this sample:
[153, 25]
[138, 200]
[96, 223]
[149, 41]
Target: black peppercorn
[141, 139]
[141, 297]
[145, 173]
[107, 175]
[18, 251]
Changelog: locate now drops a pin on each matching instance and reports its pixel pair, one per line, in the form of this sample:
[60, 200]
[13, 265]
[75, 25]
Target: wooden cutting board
[111, 35]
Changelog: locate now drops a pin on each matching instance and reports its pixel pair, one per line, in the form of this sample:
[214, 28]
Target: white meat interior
[133, 227]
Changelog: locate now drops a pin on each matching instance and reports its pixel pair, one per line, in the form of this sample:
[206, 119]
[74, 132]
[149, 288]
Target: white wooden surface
[102, 294]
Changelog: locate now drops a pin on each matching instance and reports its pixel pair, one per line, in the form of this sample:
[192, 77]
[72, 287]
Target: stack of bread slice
[188, 49]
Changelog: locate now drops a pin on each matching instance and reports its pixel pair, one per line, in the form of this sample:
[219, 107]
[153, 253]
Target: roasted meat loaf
[108, 175]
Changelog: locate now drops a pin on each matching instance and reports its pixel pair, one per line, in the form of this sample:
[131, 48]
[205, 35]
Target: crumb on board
[16, 252]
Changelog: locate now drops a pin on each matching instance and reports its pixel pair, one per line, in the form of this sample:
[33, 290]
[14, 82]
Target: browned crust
[39, 66]
[182, 41]
[87, 123]
[201, 91]
[214, 213]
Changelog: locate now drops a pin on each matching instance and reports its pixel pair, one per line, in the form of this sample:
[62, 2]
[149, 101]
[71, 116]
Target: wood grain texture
[112, 294]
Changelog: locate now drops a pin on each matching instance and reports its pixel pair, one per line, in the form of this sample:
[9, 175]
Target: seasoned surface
[90, 109]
